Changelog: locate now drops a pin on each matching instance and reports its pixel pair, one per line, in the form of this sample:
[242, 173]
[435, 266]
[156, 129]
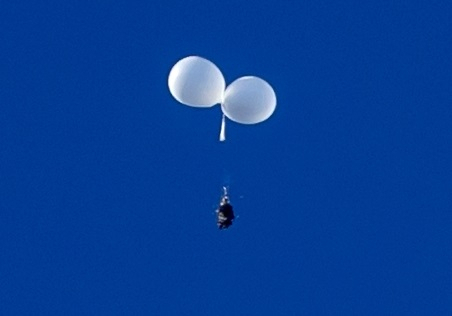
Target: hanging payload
[225, 212]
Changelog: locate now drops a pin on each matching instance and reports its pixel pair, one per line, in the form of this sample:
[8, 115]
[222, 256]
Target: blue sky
[109, 185]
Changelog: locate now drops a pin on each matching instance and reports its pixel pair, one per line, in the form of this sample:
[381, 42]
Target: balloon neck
[223, 129]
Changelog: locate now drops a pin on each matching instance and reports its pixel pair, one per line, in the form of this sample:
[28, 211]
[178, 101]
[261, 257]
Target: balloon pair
[197, 82]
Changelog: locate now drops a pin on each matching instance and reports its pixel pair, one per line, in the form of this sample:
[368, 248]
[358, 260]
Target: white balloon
[196, 81]
[249, 100]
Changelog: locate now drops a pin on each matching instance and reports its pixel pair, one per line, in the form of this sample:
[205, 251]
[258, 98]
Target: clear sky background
[109, 185]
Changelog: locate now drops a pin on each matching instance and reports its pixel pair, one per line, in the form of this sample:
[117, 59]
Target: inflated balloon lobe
[197, 82]
[249, 100]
